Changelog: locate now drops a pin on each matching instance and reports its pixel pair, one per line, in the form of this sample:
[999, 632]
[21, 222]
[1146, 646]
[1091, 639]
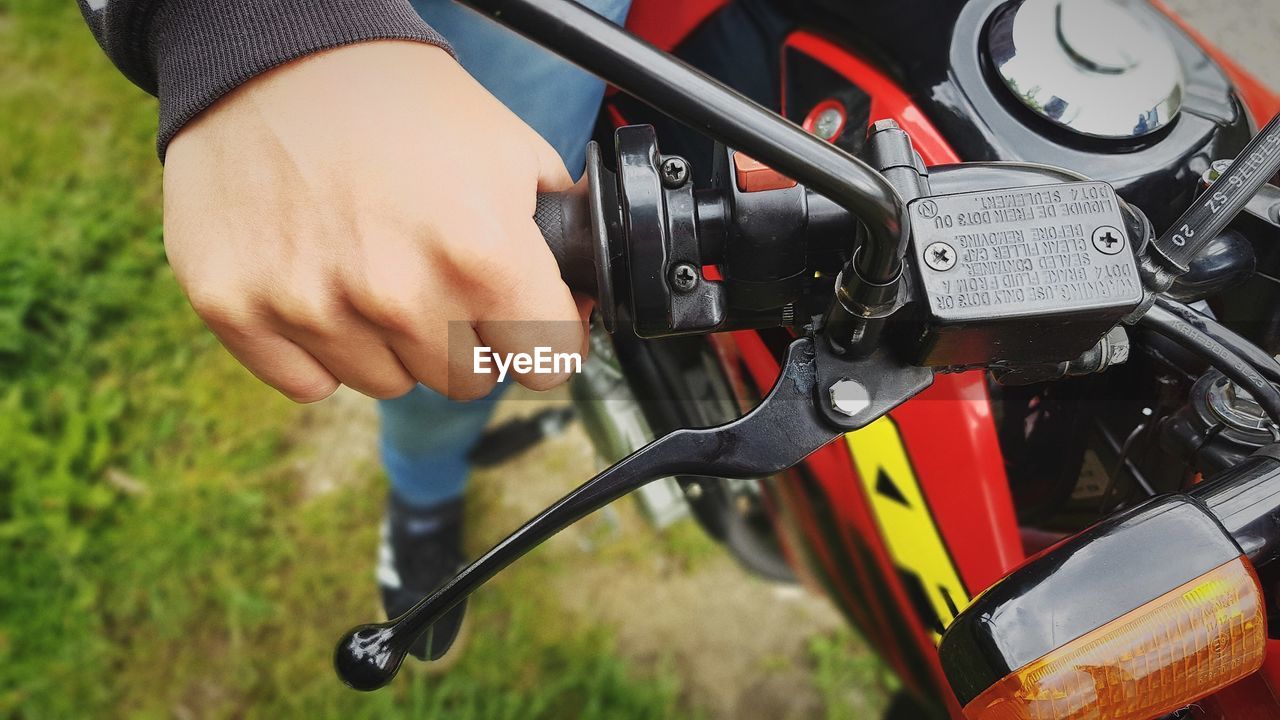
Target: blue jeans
[425, 437]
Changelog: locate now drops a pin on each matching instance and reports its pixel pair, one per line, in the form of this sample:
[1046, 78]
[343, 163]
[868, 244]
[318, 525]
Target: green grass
[844, 672]
[156, 557]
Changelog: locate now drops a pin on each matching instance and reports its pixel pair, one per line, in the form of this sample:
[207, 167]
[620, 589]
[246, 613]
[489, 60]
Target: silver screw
[675, 171]
[684, 277]
[1108, 240]
[828, 123]
[940, 256]
[693, 491]
[849, 397]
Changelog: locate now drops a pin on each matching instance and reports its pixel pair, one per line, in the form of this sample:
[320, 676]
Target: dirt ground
[740, 645]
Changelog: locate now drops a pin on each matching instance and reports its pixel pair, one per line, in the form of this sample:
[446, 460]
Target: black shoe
[421, 549]
[505, 441]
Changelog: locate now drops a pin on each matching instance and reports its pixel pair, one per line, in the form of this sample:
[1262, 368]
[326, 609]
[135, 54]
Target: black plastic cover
[1021, 275]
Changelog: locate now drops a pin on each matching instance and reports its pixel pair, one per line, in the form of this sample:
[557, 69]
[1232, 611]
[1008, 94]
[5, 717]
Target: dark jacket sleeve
[189, 53]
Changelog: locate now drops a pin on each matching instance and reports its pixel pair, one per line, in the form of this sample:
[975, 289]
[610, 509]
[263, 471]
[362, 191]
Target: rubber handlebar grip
[565, 222]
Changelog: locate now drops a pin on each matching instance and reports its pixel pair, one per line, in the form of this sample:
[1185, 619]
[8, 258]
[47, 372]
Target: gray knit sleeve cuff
[204, 49]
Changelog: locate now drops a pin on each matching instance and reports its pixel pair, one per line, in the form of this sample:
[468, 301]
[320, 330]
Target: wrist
[205, 50]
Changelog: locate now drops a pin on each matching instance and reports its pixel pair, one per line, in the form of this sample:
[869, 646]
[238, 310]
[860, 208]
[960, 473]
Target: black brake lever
[818, 397]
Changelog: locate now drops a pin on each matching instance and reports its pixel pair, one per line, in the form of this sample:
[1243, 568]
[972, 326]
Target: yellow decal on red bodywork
[912, 537]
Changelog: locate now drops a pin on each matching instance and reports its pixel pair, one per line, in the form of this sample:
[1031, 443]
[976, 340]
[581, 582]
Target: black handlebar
[707, 105]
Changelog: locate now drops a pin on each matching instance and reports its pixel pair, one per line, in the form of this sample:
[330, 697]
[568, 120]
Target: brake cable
[1233, 341]
[1229, 363]
[1171, 254]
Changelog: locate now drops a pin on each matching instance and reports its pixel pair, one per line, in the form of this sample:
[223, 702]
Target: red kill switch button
[754, 176]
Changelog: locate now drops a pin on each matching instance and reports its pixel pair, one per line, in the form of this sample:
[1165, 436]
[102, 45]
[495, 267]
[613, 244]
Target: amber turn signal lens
[1174, 650]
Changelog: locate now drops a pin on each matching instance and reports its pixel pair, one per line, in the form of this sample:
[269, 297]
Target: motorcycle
[960, 312]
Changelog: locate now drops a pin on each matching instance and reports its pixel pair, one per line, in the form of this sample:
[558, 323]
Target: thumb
[552, 175]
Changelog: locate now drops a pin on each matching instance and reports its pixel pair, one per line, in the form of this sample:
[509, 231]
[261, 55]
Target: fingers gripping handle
[575, 224]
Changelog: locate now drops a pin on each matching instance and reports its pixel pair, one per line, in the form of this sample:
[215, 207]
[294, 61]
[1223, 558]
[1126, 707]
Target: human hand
[329, 218]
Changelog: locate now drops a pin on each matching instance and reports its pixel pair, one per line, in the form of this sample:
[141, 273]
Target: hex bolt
[684, 277]
[882, 125]
[940, 256]
[1117, 346]
[849, 397]
[675, 171]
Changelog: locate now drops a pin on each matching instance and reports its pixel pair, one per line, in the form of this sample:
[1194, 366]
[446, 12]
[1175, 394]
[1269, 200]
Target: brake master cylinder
[1023, 275]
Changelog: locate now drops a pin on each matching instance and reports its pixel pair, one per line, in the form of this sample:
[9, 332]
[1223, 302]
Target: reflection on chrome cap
[1092, 66]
